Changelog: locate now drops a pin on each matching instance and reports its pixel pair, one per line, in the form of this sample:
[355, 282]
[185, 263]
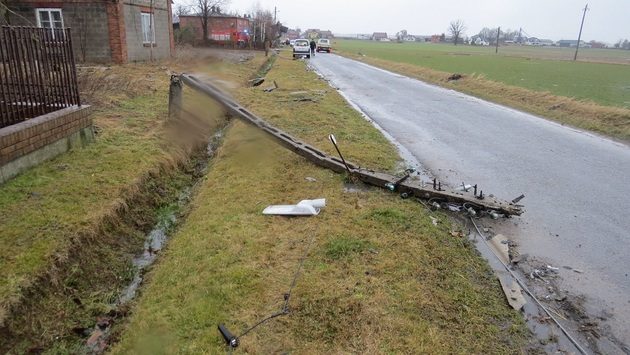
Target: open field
[534, 68]
[586, 114]
[380, 277]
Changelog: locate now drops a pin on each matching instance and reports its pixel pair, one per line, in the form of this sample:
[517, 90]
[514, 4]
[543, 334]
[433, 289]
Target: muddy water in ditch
[155, 241]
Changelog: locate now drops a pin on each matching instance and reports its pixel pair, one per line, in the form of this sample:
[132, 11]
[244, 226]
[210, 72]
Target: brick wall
[216, 24]
[116, 32]
[87, 20]
[28, 136]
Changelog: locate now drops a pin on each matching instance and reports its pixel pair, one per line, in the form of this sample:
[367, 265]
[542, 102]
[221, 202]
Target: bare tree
[182, 10]
[456, 29]
[401, 35]
[205, 9]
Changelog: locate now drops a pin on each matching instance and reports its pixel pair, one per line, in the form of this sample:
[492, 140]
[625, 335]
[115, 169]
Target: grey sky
[608, 20]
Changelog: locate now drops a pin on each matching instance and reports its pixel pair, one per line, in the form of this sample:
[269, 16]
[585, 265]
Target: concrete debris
[257, 81]
[303, 208]
[97, 342]
[553, 269]
[271, 88]
[513, 294]
[498, 243]
[434, 220]
[310, 179]
[459, 234]
[518, 258]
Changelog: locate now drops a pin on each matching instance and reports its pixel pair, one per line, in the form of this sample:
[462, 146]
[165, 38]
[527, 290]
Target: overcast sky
[607, 20]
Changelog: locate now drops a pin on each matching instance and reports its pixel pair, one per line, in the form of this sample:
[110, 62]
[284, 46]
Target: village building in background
[222, 29]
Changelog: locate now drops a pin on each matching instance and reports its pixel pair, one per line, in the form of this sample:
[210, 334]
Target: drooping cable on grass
[233, 341]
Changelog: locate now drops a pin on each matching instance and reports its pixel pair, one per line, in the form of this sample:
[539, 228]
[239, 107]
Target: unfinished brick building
[103, 31]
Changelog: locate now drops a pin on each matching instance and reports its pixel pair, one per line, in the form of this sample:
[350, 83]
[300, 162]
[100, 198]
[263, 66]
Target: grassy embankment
[590, 95]
[379, 277]
[68, 227]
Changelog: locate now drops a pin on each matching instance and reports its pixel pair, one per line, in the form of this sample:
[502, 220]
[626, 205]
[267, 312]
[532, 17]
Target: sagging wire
[522, 284]
[234, 341]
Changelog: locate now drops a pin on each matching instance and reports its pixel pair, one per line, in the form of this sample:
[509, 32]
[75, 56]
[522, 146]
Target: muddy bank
[92, 278]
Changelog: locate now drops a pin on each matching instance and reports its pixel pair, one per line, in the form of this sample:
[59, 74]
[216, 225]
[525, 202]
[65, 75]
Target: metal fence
[37, 73]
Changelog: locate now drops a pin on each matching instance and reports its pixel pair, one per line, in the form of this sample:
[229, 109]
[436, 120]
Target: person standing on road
[313, 46]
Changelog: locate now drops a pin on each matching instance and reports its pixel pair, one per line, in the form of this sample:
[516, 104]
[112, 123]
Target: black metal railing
[37, 73]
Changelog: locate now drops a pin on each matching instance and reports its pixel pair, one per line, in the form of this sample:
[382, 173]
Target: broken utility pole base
[403, 186]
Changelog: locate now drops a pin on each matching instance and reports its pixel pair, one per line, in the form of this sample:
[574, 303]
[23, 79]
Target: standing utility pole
[580, 35]
[496, 50]
[275, 13]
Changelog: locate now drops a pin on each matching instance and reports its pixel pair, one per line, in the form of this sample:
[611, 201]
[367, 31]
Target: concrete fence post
[175, 98]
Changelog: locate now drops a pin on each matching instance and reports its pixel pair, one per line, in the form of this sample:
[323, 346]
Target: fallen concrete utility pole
[403, 186]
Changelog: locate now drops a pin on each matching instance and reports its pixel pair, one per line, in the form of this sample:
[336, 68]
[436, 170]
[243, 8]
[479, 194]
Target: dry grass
[68, 226]
[607, 120]
[379, 277]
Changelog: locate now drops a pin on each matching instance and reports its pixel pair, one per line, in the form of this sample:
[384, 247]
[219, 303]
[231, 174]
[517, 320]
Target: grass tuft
[343, 247]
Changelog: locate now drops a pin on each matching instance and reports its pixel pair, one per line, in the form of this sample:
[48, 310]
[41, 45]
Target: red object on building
[221, 29]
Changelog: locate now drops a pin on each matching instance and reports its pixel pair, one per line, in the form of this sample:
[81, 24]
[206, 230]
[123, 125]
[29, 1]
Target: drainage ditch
[104, 331]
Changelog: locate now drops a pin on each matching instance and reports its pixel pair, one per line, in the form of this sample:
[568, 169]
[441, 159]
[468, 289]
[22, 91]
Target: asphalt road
[577, 185]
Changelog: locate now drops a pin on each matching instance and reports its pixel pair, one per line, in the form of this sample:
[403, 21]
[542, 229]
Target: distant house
[476, 40]
[438, 38]
[293, 34]
[326, 34]
[569, 43]
[102, 30]
[311, 33]
[380, 36]
[595, 44]
[317, 33]
[222, 29]
[532, 41]
[546, 42]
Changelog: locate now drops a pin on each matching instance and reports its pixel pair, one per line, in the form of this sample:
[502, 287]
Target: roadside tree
[205, 9]
[456, 30]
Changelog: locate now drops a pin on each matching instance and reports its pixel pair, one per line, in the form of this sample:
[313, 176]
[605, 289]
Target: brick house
[293, 34]
[379, 36]
[222, 28]
[103, 31]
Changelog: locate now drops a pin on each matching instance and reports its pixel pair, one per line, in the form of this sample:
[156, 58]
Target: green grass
[63, 219]
[379, 277]
[539, 69]
[46, 205]
[343, 247]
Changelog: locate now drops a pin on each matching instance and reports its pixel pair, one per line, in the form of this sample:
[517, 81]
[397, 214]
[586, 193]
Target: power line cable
[233, 342]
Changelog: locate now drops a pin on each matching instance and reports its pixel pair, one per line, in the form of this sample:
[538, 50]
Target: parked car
[323, 45]
[301, 48]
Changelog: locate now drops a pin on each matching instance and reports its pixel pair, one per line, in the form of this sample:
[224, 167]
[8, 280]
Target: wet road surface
[577, 185]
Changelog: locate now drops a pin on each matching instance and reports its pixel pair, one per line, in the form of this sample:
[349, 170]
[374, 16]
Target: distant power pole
[496, 50]
[520, 37]
[275, 13]
[580, 35]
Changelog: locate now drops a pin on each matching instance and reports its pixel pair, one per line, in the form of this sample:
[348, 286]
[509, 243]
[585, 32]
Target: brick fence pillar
[117, 33]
